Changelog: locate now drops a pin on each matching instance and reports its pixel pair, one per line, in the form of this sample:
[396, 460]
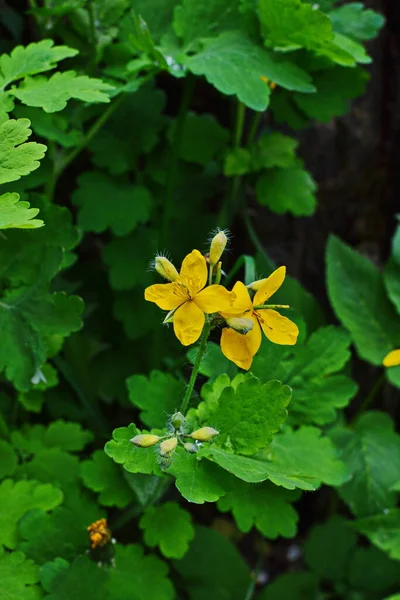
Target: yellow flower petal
[214, 298]
[271, 285]
[392, 359]
[278, 329]
[188, 323]
[194, 272]
[164, 295]
[241, 303]
[239, 348]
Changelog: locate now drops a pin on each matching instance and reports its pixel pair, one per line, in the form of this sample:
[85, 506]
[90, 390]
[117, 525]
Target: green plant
[155, 122]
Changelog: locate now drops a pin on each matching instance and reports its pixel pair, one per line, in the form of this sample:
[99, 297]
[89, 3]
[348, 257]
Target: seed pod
[191, 448]
[240, 324]
[165, 268]
[144, 440]
[167, 447]
[177, 420]
[218, 245]
[204, 434]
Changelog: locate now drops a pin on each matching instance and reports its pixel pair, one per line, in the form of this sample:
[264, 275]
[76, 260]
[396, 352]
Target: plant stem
[261, 306]
[173, 166]
[196, 366]
[252, 585]
[252, 233]
[210, 274]
[254, 127]
[228, 210]
[371, 396]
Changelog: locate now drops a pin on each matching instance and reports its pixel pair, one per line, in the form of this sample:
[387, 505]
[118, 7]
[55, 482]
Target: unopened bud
[218, 245]
[256, 285]
[167, 447]
[240, 324]
[165, 268]
[145, 440]
[204, 434]
[190, 447]
[177, 420]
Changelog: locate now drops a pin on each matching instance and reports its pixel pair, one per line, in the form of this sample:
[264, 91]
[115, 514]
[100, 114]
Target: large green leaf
[18, 577]
[103, 476]
[234, 65]
[371, 451]
[358, 297]
[383, 530]
[168, 526]
[195, 19]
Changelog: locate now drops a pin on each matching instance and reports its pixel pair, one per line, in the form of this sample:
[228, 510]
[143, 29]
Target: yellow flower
[99, 533]
[239, 348]
[187, 297]
[392, 359]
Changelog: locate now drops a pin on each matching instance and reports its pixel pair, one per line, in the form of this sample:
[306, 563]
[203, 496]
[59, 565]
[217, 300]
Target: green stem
[371, 396]
[4, 431]
[196, 366]
[254, 127]
[252, 234]
[173, 166]
[261, 306]
[229, 208]
[252, 585]
[210, 274]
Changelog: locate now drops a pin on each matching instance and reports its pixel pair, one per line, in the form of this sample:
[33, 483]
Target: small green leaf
[17, 214]
[293, 586]
[287, 190]
[83, 580]
[8, 459]
[371, 451]
[234, 65]
[391, 274]
[16, 157]
[134, 460]
[53, 94]
[32, 59]
[168, 526]
[355, 21]
[202, 138]
[49, 465]
[127, 259]
[18, 577]
[371, 570]
[358, 297]
[103, 476]
[17, 498]
[66, 435]
[383, 530]
[123, 207]
[195, 19]
[265, 506]
[158, 396]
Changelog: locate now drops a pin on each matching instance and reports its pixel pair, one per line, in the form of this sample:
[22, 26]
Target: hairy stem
[261, 306]
[196, 366]
[173, 166]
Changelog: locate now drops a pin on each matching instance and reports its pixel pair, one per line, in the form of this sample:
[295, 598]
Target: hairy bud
[145, 440]
[167, 447]
[218, 245]
[204, 434]
[165, 268]
[177, 420]
[240, 324]
[190, 447]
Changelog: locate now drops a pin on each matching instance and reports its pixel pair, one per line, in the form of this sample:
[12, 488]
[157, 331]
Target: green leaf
[234, 65]
[335, 88]
[123, 207]
[158, 396]
[194, 20]
[134, 460]
[127, 259]
[202, 138]
[383, 530]
[49, 465]
[358, 297]
[16, 499]
[287, 190]
[17, 214]
[265, 506]
[248, 417]
[67, 435]
[371, 570]
[356, 21]
[50, 570]
[32, 59]
[143, 113]
[53, 94]
[8, 459]
[83, 580]
[103, 476]
[293, 586]
[18, 577]
[157, 14]
[391, 274]
[271, 150]
[16, 157]
[248, 469]
[214, 363]
[168, 526]
[213, 568]
[330, 562]
[371, 451]
[57, 128]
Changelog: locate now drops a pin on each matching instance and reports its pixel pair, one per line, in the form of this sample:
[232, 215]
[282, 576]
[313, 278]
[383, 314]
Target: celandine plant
[228, 454]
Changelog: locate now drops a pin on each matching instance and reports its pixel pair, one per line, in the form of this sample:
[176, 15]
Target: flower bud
[240, 324]
[218, 245]
[145, 440]
[256, 285]
[204, 434]
[177, 420]
[165, 268]
[392, 359]
[189, 447]
[167, 447]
